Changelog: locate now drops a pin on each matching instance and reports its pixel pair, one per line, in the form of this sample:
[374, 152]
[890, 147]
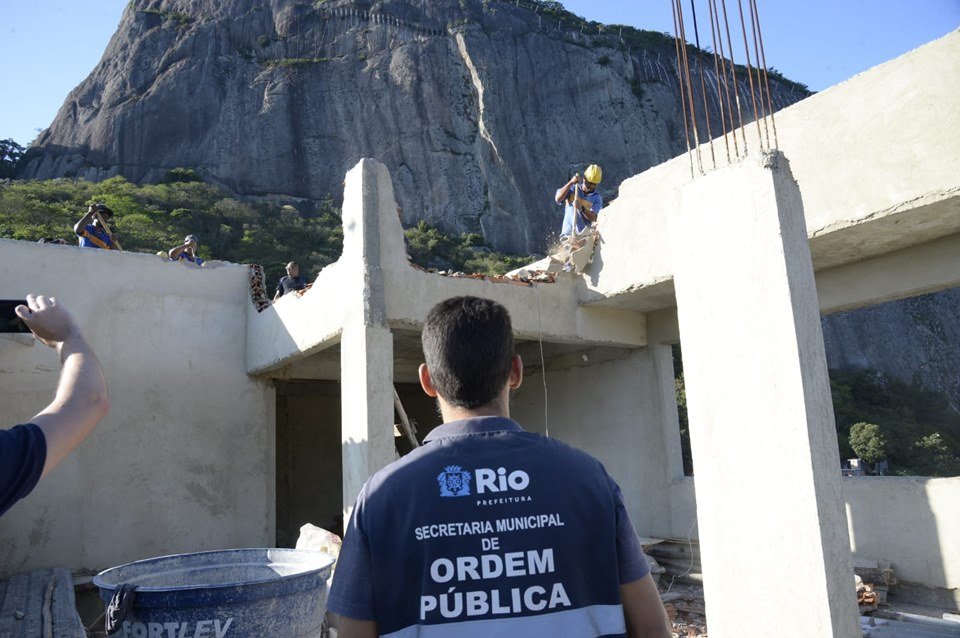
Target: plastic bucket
[239, 593]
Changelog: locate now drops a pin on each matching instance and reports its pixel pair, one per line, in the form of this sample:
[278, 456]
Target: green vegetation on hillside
[911, 427]
[468, 253]
[155, 217]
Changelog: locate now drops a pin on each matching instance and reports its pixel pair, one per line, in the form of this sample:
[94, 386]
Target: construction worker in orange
[93, 231]
[581, 201]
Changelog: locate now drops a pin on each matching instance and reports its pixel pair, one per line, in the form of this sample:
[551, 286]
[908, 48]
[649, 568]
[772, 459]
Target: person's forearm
[80, 225]
[643, 611]
[80, 401]
[176, 252]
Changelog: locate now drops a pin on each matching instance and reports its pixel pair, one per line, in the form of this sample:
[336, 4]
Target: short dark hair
[468, 347]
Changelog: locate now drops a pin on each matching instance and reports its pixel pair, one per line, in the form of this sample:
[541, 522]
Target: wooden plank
[39, 604]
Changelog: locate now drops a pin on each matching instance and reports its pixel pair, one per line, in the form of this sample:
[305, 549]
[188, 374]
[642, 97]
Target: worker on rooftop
[290, 282]
[93, 231]
[581, 201]
[187, 250]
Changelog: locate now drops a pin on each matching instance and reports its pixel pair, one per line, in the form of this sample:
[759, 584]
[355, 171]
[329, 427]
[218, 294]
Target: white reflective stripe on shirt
[597, 620]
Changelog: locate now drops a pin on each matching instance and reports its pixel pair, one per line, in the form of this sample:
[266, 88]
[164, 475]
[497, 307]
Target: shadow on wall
[893, 518]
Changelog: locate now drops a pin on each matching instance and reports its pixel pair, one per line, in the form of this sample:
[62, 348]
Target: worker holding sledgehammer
[93, 231]
[581, 201]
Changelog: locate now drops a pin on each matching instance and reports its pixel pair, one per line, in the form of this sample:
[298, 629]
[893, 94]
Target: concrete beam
[752, 317]
[905, 273]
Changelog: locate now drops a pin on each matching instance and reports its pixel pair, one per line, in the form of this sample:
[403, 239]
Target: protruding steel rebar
[766, 78]
[703, 88]
[686, 68]
[680, 76]
[756, 57]
[716, 71]
[753, 94]
[727, 81]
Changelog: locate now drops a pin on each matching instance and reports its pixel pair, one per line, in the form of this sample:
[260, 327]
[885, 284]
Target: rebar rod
[716, 71]
[686, 67]
[766, 78]
[676, 41]
[733, 73]
[753, 94]
[703, 88]
[756, 56]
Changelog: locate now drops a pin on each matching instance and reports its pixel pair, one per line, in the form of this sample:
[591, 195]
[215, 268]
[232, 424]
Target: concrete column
[366, 345]
[366, 399]
[766, 465]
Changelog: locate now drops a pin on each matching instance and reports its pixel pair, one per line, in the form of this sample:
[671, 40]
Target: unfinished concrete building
[231, 427]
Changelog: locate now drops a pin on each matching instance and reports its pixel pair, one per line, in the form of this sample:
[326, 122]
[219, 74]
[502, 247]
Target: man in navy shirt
[488, 530]
[29, 452]
[291, 281]
[187, 250]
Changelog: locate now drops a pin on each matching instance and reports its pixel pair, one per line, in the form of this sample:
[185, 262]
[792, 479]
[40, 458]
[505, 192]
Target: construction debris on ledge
[573, 254]
[540, 278]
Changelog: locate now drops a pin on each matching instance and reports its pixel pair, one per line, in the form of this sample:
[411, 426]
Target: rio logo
[455, 481]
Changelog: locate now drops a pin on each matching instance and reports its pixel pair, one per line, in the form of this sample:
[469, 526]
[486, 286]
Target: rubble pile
[685, 609]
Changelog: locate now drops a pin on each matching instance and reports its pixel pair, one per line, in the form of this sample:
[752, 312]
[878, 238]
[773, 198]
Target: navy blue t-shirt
[290, 284]
[23, 452]
[488, 530]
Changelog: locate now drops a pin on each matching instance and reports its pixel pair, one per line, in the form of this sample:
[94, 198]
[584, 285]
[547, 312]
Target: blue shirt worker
[488, 530]
[290, 282]
[581, 201]
[187, 251]
[92, 231]
[30, 451]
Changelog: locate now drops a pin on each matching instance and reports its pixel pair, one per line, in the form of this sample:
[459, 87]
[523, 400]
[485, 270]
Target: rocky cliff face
[912, 340]
[479, 109]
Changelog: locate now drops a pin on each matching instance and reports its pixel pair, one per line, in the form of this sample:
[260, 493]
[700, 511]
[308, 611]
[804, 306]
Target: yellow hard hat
[593, 174]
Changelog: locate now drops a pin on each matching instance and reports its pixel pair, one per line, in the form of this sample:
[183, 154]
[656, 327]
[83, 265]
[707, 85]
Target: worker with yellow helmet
[581, 201]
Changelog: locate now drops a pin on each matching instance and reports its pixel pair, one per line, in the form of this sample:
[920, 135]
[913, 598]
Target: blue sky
[49, 46]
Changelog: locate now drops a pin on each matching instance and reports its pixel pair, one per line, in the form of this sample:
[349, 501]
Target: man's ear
[425, 381]
[516, 372]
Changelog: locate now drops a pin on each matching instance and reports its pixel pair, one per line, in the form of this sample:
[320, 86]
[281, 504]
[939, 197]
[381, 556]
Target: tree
[10, 155]
[868, 442]
[936, 459]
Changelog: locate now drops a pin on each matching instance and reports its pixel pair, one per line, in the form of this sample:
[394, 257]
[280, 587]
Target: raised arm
[562, 191]
[86, 219]
[81, 398]
[176, 252]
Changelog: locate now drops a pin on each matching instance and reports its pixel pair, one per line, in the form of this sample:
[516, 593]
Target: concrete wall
[912, 522]
[622, 410]
[185, 459]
